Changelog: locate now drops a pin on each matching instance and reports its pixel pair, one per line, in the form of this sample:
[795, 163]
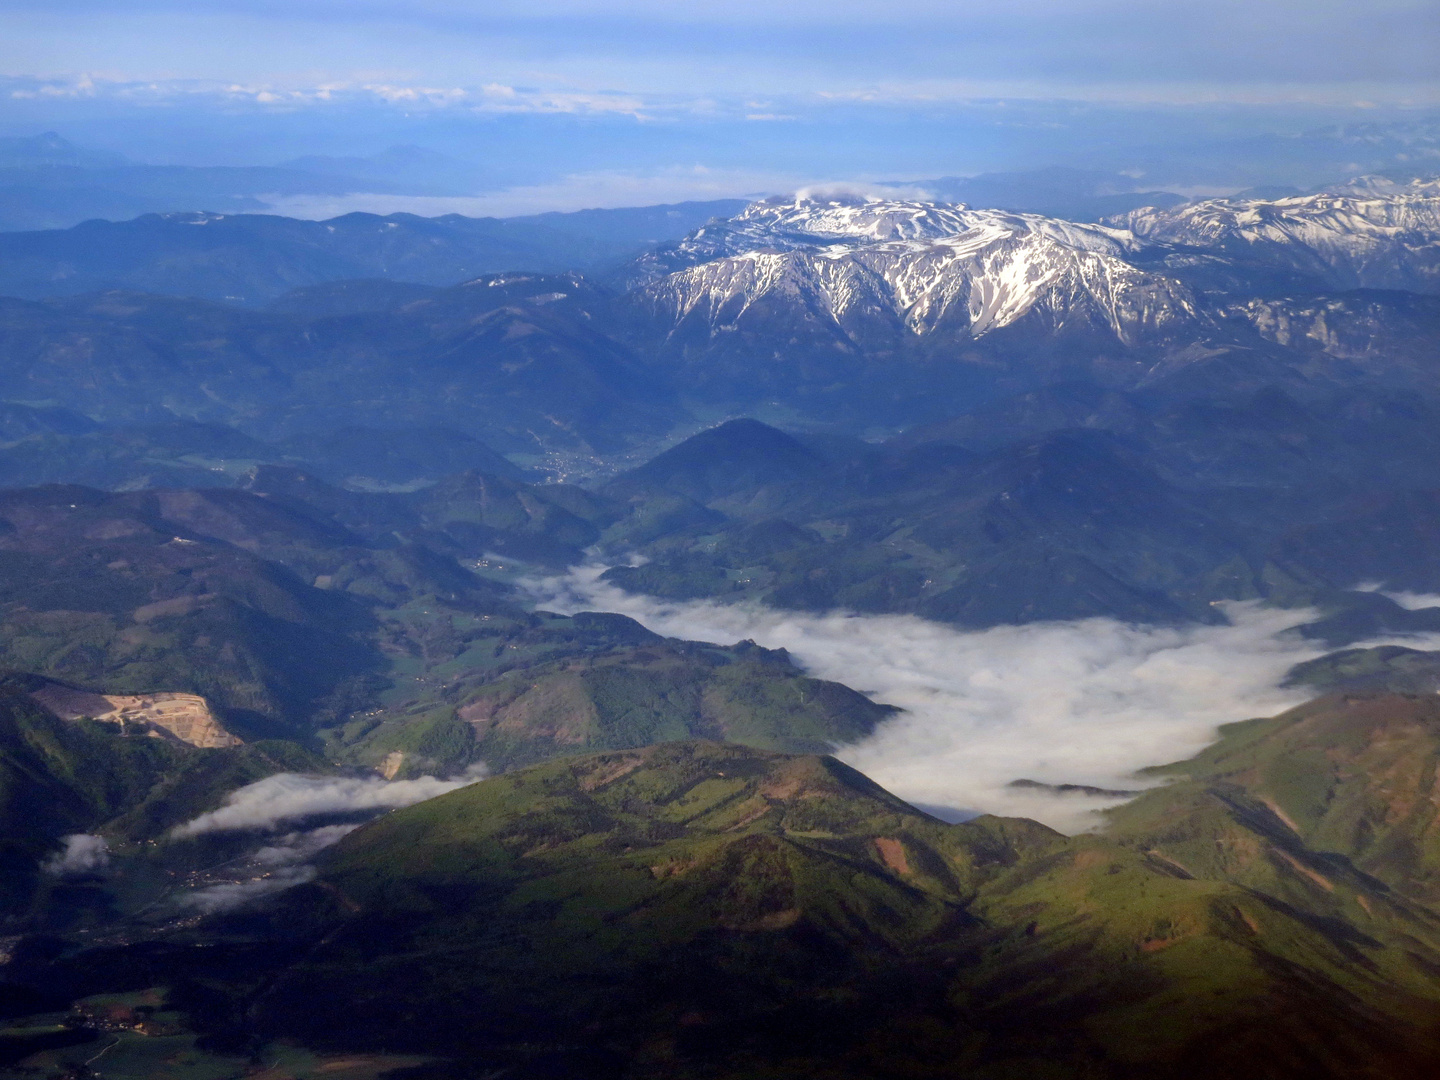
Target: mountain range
[299, 480]
[253, 258]
[890, 313]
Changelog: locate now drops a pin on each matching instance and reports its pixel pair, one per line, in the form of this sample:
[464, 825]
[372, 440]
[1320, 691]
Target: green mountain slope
[1385, 667]
[59, 777]
[137, 593]
[697, 909]
[1332, 800]
[661, 692]
[297, 609]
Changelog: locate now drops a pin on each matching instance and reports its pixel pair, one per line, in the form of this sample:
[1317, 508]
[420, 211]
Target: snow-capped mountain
[1383, 185]
[913, 265]
[796, 222]
[1370, 233]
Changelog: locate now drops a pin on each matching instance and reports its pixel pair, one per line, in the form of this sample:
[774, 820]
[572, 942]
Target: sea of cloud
[1081, 702]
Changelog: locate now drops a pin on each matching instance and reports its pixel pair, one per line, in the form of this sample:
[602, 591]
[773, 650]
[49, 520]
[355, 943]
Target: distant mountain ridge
[1373, 233]
[849, 258]
[865, 313]
[914, 265]
[253, 258]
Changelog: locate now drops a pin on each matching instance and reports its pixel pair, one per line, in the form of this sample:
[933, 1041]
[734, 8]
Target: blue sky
[1138, 49]
[726, 94]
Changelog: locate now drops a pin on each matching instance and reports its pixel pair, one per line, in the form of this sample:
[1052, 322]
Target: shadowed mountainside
[1155, 519]
[699, 909]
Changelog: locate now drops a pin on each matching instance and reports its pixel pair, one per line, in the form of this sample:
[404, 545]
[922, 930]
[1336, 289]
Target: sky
[729, 97]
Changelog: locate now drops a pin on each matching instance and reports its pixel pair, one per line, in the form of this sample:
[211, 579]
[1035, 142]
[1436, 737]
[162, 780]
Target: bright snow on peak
[918, 265]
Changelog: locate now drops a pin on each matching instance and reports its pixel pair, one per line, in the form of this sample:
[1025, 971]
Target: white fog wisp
[289, 797]
[284, 799]
[1082, 702]
[83, 853]
[1413, 601]
[228, 895]
[277, 866]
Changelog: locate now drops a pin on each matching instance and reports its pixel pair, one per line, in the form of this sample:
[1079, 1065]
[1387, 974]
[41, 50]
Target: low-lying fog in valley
[1086, 702]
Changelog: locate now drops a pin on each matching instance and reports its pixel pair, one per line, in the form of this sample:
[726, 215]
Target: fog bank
[1082, 702]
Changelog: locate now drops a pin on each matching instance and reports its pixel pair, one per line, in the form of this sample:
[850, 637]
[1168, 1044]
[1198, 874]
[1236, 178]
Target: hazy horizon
[564, 105]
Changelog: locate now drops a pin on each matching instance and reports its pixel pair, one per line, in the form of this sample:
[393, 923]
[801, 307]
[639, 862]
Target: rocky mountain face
[908, 298]
[1378, 235]
[922, 267]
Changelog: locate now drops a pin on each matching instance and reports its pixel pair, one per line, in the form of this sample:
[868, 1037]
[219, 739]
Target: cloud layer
[1085, 702]
[582, 191]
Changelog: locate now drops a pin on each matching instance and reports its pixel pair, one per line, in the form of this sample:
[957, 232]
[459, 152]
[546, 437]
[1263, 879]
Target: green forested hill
[319, 621]
[59, 777]
[1119, 505]
[702, 909]
[699, 909]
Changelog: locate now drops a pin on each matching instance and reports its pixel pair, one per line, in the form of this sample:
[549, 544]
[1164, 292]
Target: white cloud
[489, 98]
[279, 865]
[842, 189]
[82, 854]
[1231, 50]
[1085, 702]
[290, 797]
[1415, 601]
[1411, 601]
[228, 895]
[296, 847]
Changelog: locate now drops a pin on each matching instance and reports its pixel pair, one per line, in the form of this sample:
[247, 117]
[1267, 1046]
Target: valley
[864, 636]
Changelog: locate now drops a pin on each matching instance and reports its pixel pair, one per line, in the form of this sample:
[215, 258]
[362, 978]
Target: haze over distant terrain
[434, 108]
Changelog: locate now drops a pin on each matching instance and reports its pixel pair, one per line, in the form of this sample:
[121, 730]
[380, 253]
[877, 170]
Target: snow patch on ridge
[914, 265]
[1371, 233]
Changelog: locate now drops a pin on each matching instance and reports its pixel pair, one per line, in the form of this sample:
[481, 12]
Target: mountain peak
[737, 455]
[1370, 233]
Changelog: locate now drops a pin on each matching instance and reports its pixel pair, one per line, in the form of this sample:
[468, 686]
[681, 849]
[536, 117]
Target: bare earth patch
[185, 718]
[892, 854]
